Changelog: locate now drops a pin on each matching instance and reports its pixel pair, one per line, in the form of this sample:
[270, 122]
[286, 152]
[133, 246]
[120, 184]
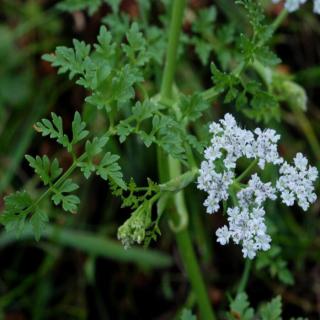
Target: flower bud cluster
[246, 219]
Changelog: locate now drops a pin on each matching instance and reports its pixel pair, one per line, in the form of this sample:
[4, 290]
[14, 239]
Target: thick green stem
[173, 43]
[188, 256]
[194, 274]
[180, 216]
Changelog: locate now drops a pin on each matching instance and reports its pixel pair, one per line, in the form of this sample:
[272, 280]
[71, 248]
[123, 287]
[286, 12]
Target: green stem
[279, 19]
[210, 94]
[189, 260]
[173, 42]
[179, 182]
[246, 172]
[245, 276]
[187, 253]
[308, 130]
[180, 216]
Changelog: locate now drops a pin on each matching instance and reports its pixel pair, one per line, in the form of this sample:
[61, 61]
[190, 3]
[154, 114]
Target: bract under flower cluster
[217, 177]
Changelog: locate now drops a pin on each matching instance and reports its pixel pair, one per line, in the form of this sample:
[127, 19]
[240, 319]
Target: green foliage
[240, 308]
[110, 84]
[132, 196]
[92, 149]
[15, 82]
[121, 73]
[225, 82]
[91, 5]
[109, 168]
[202, 28]
[136, 50]
[38, 222]
[48, 172]
[272, 310]
[204, 21]
[61, 196]
[251, 52]
[275, 264]
[255, 47]
[192, 107]
[78, 129]
[170, 136]
[249, 96]
[15, 213]
[54, 129]
[18, 208]
[186, 314]
[71, 60]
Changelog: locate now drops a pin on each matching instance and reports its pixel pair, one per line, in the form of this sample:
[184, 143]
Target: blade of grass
[95, 245]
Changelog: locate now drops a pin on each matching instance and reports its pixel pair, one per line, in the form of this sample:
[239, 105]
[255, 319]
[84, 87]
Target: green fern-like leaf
[61, 195]
[46, 170]
[109, 168]
[54, 129]
[14, 217]
[69, 60]
[272, 310]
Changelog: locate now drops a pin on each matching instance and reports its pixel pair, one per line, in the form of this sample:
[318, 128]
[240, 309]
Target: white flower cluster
[246, 221]
[217, 177]
[228, 144]
[296, 182]
[293, 5]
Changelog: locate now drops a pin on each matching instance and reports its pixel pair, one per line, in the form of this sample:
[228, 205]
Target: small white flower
[246, 227]
[296, 183]
[293, 5]
[265, 147]
[256, 193]
[215, 184]
[316, 6]
[223, 235]
[248, 249]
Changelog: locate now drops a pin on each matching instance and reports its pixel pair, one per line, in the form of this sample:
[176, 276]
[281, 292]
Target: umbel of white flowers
[217, 177]
[293, 5]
